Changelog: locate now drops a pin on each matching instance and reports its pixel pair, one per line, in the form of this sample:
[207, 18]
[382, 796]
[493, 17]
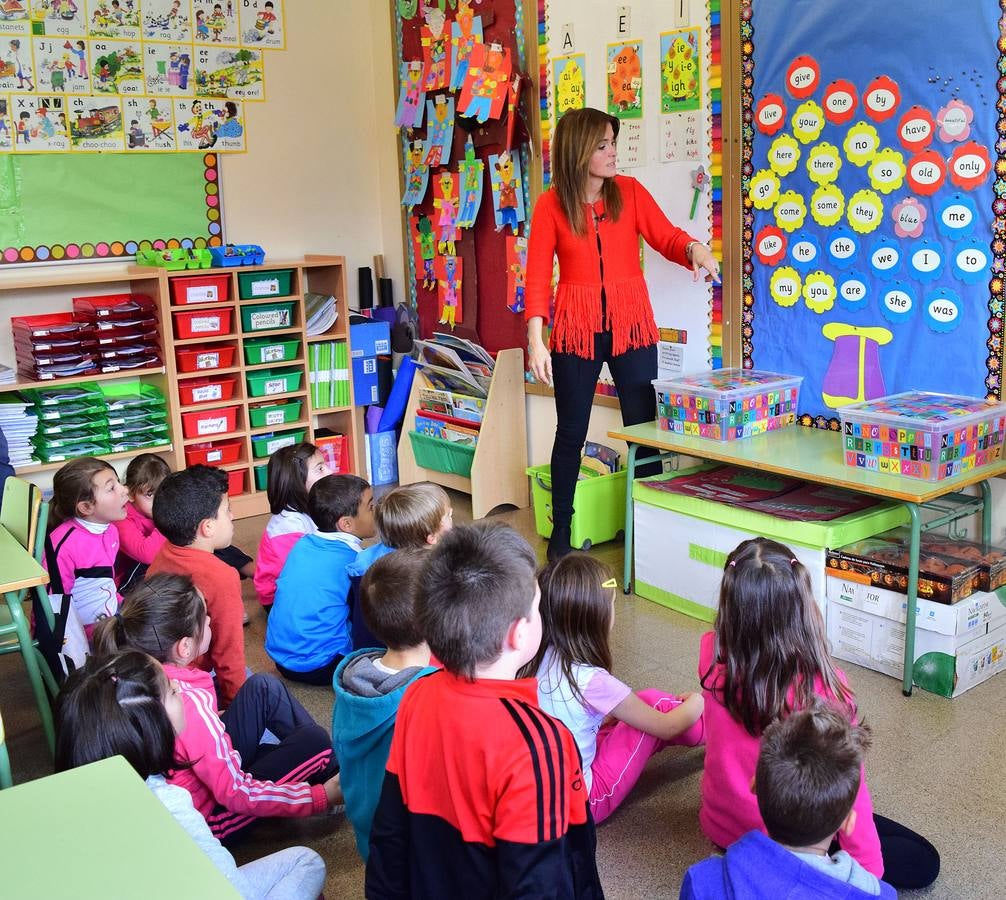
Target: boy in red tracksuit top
[483, 794]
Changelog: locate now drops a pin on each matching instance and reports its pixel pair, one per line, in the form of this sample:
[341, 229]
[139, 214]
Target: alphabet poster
[874, 232]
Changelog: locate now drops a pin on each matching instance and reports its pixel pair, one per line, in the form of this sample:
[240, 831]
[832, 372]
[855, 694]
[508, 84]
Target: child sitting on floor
[308, 630]
[808, 775]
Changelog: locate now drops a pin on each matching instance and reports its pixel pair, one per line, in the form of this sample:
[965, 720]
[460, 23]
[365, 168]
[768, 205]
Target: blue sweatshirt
[366, 704]
[757, 868]
[361, 634]
[309, 623]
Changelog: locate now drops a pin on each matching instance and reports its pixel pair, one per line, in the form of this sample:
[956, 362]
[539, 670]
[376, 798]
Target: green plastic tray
[274, 381]
[267, 444]
[260, 284]
[267, 316]
[598, 507]
[275, 413]
[262, 477]
[263, 350]
[442, 456]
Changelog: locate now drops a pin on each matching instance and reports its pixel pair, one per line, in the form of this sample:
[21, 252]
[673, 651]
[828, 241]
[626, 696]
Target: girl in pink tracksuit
[234, 778]
[292, 471]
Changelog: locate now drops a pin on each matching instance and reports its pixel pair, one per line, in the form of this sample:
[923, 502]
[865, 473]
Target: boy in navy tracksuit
[808, 775]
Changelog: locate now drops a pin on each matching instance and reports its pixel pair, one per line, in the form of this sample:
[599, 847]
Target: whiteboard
[587, 27]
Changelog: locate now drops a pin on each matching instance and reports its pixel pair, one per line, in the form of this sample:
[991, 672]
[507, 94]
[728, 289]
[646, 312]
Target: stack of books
[18, 422]
[328, 368]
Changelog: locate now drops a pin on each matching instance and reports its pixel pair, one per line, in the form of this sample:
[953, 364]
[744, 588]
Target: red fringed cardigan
[578, 294]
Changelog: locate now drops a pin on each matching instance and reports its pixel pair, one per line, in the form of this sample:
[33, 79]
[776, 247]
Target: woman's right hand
[539, 361]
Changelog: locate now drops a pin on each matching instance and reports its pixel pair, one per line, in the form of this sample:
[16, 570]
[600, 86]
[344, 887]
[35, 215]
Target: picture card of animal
[167, 20]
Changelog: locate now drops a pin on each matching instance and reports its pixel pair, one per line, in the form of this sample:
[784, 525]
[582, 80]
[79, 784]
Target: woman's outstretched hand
[702, 258]
[539, 361]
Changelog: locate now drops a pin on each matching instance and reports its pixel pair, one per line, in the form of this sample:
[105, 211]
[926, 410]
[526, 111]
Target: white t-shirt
[601, 691]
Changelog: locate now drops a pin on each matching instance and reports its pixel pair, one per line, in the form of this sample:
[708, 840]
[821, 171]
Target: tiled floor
[937, 765]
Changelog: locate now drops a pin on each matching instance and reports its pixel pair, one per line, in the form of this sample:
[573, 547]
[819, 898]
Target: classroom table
[816, 455]
[99, 832]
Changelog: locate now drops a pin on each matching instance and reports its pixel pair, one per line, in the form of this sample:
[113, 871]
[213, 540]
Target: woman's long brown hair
[576, 138]
[769, 644]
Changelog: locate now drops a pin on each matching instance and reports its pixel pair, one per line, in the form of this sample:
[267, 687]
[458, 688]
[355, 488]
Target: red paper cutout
[915, 130]
[770, 245]
[803, 76]
[770, 114]
[926, 172]
[969, 165]
[449, 277]
[840, 102]
[881, 98]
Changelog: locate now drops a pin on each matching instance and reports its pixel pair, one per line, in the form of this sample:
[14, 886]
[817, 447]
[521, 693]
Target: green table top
[18, 568]
[98, 832]
[809, 453]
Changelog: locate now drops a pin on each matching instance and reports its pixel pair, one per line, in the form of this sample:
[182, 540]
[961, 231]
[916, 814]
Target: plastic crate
[273, 381]
[923, 435]
[206, 356]
[264, 350]
[207, 390]
[259, 284]
[275, 413]
[232, 255]
[727, 404]
[267, 444]
[131, 395]
[115, 306]
[175, 260]
[65, 325]
[267, 316]
[236, 482]
[262, 477]
[203, 323]
[210, 421]
[442, 456]
[598, 507]
[214, 453]
[201, 289]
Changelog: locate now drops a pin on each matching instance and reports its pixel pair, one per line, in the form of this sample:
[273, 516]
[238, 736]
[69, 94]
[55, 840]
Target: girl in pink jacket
[292, 472]
[768, 656]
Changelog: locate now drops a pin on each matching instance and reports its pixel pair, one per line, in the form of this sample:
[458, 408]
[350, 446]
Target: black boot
[558, 543]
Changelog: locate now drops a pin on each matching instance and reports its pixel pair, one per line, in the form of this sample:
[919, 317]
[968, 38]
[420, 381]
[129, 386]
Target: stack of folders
[321, 312]
[18, 422]
[329, 374]
[7, 375]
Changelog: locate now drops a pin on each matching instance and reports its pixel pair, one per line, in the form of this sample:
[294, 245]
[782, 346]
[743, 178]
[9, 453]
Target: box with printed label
[369, 339]
[211, 421]
[366, 388]
[956, 646]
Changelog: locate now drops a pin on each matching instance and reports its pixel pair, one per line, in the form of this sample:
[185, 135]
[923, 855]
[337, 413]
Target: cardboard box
[956, 646]
[369, 339]
[366, 385]
[382, 457]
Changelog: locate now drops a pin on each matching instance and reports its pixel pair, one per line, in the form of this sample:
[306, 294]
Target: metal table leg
[629, 478]
[913, 598]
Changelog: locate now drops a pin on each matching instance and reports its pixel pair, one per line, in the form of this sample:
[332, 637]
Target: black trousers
[321, 676]
[910, 861]
[574, 380]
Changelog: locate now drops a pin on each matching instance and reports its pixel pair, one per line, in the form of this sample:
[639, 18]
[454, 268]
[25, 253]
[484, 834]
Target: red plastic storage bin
[205, 423]
[201, 289]
[63, 325]
[207, 356]
[207, 390]
[236, 482]
[204, 323]
[214, 453]
[115, 306]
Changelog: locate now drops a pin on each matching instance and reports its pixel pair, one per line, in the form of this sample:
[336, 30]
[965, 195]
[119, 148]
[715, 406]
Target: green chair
[24, 515]
[5, 779]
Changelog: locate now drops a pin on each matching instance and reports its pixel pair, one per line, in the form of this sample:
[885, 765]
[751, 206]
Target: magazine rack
[498, 473]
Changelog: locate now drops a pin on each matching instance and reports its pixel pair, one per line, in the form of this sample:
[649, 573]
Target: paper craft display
[516, 264]
[411, 96]
[167, 69]
[625, 80]
[201, 124]
[262, 24]
[116, 67]
[487, 82]
[16, 70]
[424, 247]
[95, 123]
[872, 219]
[6, 126]
[508, 190]
[439, 129]
[470, 170]
[448, 270]
[435, 41]
[229, 73]
[417, 175]
[56, 67]
[680, 71]
[466, 32]
[567, 79]
[445, 202]
[407, 8]
[149, 123]
[166, 20]
[40, 124]
[215, 23]
[116, 19]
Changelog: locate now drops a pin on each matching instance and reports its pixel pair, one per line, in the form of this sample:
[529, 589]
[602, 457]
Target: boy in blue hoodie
[806, 781]
[308, 632]
[369, 684]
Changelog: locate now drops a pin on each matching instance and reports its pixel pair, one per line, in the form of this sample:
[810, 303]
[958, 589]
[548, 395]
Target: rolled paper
[366, 287]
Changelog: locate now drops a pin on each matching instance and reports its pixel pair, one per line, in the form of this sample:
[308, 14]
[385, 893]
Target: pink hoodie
[729, 810]
[216, 776]
[139, 541]
[282, 532]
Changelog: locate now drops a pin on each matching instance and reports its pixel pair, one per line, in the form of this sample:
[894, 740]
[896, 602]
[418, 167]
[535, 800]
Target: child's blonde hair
[406, 516]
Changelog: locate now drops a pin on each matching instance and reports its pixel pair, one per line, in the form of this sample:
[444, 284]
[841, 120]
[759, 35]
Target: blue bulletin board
[874, 229]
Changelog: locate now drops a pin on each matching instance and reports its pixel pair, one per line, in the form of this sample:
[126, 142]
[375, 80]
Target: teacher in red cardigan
[591, 219]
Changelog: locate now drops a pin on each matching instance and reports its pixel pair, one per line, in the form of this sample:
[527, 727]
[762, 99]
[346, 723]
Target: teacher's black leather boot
[558, 543]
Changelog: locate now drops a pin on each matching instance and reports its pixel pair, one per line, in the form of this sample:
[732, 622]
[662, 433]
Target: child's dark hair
[72, 485]
[113, 706]
[287, 474]
[333, 497]
[575, 615]
[146, 472]
[769, 638]
[388, 598]
[187, 498]
[808, 774]
[155, 615]
[478, 580]
[407, 515]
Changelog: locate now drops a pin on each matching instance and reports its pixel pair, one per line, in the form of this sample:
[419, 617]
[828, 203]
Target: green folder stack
[328, 368]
